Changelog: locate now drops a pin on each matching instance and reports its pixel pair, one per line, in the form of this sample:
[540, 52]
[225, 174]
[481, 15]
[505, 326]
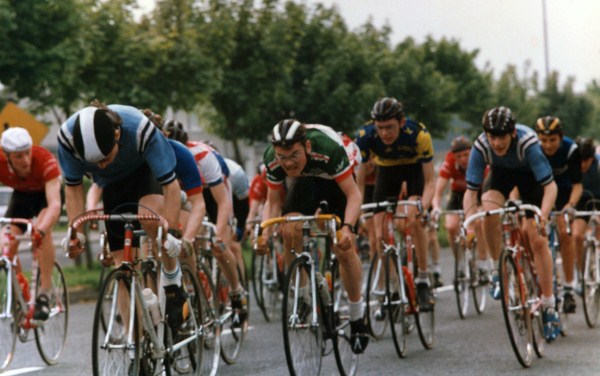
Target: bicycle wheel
[590, 290]
[347, 361]
[461, 279]
[112, 354]
[8, 324]
[426, 327]
[534, 294]
[515, 310]
[375, 298]
[187, 359]
[269, 282]
[397, 309]
[301, 321]
[50, 337]
[257, 261]
[232, 334]
[479, 283]
[211, 325]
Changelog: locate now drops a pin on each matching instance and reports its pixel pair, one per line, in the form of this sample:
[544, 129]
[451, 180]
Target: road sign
[13, 116]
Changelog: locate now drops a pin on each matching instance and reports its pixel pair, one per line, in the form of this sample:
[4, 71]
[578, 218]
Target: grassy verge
[83, 277]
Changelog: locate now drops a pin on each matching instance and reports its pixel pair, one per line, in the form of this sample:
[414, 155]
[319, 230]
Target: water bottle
[152, 303]
[324, 289]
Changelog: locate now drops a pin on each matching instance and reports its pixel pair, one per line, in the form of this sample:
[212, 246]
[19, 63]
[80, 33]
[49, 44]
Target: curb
[82, 294]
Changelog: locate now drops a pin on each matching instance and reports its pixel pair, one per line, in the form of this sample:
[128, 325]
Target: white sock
[548, 302]
[357, 310]
[170, 277]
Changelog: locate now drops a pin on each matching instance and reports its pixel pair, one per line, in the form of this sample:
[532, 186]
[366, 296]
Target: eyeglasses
[292, 157]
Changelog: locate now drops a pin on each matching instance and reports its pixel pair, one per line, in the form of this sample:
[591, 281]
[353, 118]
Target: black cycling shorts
[390, 179]
[122, 197]
[562, 197]
[27, 205]
[587, 202]
[306, 192]
[455, 202]
[369, 193]
[504, 180]
[241, 208]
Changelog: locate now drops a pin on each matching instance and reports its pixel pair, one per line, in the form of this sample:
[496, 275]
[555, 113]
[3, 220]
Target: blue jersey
[186, 169]
[140, 143]
[524, 154]
[566, 164]
[591, 178]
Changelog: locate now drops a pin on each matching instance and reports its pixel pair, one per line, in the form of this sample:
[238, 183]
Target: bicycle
[134, 340]
[268, 272]
[315, 306]
[399, 269]
[228, 335]
[558, 277]
[467, 276]
[519, 286]
[590, 275]
[16, 310]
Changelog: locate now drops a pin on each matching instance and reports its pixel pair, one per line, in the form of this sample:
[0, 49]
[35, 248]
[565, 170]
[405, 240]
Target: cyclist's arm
[225, 209]
[52, 189]
[74, 198]
[196, 216]
[470, 202]
[429, 187]
[361, 175]
[172, 194]
[440, 186]
[576, 192]
[353, 200]
[93, 197]
[550, 192]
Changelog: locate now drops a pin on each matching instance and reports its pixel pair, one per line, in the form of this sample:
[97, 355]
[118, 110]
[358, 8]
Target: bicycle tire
[232, 335]
[302, 333]
[346, 360]
[426, 327]
[211, 326]
[51, 336]
[534, 294]
[479, 286]
[269, 282]
[590, 288]
[116, 341]
[515, 310]
[462, 279]
[375, 298]
[397, 309]
[8, 329]
[257, 261]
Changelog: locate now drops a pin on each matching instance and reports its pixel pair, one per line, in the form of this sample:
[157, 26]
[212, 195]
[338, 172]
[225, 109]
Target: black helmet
[548, 125]
[175, 131]
[586, 147]
[288, 132]
[498, 121]
[460, 143]
[387, 108]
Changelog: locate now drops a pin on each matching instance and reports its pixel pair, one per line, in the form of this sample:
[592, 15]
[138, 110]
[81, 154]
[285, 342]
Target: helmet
[16, 139]
[548, 125]
[387, 108]
[94, 133]
[460, 143]
[288, 132]
[498, 121]
[586, 147]
[175, 131]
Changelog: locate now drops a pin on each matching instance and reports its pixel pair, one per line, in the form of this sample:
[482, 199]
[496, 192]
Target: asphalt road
[477, 345]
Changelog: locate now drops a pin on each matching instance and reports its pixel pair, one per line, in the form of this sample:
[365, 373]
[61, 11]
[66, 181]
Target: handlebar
[501, 211]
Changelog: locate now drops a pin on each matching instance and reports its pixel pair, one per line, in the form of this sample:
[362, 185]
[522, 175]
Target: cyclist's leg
[578, 228]
[452, 223]
[13, 246]
[46, 256]
[567, 252]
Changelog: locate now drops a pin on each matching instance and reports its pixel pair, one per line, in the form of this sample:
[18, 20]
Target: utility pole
[546, 58]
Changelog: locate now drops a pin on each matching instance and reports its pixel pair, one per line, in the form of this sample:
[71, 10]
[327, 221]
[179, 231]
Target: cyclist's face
[21, 161]
[500, 144]
[109, 158]
[550, 143]
[462, 158]
[586, 164]
[388, 130]
[292, 159]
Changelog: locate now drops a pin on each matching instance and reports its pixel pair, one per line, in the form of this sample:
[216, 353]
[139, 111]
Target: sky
[504, 31]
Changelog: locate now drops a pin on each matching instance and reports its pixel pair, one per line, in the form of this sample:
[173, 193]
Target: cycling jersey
[413, 145]
[352, 150]
[591, 178]
[208, 163]
[452, 171]
[258, 187]
[140, 143]
[238, 180]
[525, 154]
[43, 169]
[566, 164]
[186, 169]
[327, 159]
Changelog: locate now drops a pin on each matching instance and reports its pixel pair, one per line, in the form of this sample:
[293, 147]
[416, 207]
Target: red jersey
[258, 188]
[451, 171]
[44, 168]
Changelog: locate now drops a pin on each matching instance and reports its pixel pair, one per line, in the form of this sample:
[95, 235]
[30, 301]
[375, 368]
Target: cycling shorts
[306, 192]
[504, 180]
[455, 202]
[390, 179]
[28, 205]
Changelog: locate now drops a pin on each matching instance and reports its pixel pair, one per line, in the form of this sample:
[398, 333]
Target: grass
[83, 277]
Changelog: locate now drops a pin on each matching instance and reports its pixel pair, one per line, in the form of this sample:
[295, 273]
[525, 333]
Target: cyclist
[130, 160]
[219, 209]
[239, 190]
[315, 161]
[516, 159]
[33, 173]
[453, 171]
[565, 160]
[590, 168]
[403, 152]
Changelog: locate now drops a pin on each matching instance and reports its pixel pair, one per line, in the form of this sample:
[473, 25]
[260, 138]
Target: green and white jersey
[327, 159]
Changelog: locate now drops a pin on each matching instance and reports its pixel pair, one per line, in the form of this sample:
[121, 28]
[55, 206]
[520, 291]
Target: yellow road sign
[13, 116]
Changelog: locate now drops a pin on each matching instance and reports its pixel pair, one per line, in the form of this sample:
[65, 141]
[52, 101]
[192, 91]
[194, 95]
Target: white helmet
[16, 139]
